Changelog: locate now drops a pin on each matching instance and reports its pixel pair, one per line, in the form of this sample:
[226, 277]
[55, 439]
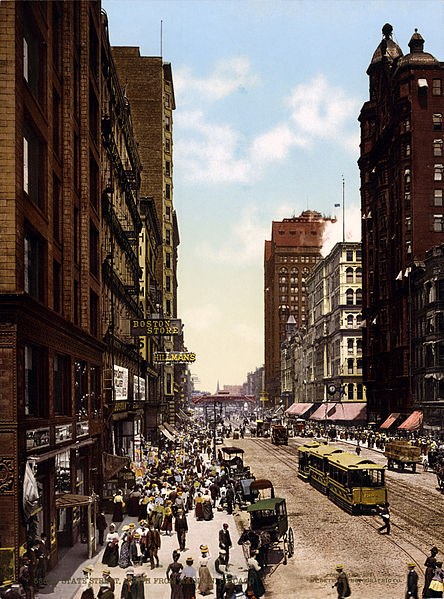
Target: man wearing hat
[130, 586]
[181, 528]
[225, 541]
[106, 574]
[221, 569]
[412, 582]
[341, 584]
[87, 591]
[152, 546]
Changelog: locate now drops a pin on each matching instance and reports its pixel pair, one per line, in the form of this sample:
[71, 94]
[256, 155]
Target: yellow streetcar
[303, 465]
[318, 466]
[356, 484]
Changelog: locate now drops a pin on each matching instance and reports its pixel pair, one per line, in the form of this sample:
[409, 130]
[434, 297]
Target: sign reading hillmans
[174, 356]
[155, 326]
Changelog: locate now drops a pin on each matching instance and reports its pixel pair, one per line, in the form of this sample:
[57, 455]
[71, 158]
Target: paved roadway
[326, 535]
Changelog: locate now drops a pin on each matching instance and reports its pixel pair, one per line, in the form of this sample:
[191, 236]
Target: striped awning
[413, 422]
[298, 409]
[390, 420]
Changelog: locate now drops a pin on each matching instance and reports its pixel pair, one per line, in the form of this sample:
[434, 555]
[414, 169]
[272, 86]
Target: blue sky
[267, 99]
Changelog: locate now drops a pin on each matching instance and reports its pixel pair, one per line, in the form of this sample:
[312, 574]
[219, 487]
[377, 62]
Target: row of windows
[350, 256]
[351, 366]
[353, 298]
[294, 270]
[351, 321]
[351, 346]
[353, 276]
[301, 259]
[37, 370]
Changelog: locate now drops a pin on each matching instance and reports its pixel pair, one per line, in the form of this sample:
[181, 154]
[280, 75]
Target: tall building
[290, 256]
[333, 348]
[150, 90]
[402, 187]
[50, 279]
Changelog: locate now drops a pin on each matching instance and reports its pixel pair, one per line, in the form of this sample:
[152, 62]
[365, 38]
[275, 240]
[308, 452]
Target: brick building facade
[50, 281]
[402, 190]
[290, 257]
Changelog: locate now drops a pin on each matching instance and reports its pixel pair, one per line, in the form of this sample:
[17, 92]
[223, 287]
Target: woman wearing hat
[205, 585]
[341, 584]
[254, 576]
[118, 507]
[430, 565]
[111, 553]
[188, 580]
[436, 587]
[198, 502]
[88, 592]
[173, 576]
[125, 551]
[167, 524]
[207, 506]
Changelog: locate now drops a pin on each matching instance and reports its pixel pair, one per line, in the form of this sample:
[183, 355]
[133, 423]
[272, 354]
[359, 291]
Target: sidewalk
[157, 587]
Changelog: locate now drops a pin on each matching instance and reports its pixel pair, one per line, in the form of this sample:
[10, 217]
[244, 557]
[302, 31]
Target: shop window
[62, 385]
[35, 388]
[62, 482]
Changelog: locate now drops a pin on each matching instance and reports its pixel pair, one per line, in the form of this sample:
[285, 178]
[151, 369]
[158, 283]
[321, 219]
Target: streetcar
[279, 435]
[318, 466]
[356, 484]
[303, 465]
[269, 520]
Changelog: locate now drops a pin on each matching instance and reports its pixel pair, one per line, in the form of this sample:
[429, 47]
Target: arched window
[305, 271]
[350, 321]
[358, 297]
[283, 270]
[407, 176]
[359, 275]
[359, 366]
[350, 346]
[349, 275]
[359, 391]
[350, 391]
[349, 295]
[358, 320]
[294, 270]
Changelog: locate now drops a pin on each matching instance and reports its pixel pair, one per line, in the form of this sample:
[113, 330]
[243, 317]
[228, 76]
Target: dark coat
[181, 525]
[101, 522]
[412, 585]
[224, 539]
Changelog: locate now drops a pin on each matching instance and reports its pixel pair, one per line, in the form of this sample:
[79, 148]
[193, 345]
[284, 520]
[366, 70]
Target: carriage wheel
[290, 542]
[286, 552]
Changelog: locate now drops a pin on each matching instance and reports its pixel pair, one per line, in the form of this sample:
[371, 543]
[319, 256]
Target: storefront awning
[413, 422]
[70, 500]
[337, 412]
[183, 416]
[298, 409]
[112, 464]
[167, 433]
[171, 429]
[390, 420]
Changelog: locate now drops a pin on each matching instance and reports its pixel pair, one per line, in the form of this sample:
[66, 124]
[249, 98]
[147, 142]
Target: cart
[402, 455]
[269, 520]
[234, 463]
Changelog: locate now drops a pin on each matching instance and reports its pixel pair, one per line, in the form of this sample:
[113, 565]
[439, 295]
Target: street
[325, 535]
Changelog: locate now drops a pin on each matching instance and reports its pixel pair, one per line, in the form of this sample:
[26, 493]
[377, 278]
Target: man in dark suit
[225, 541]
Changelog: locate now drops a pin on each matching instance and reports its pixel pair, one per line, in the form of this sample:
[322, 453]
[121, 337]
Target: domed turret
[388, 50]
[417, 57]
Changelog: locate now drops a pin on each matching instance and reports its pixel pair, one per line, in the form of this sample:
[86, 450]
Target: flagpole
[343, 208]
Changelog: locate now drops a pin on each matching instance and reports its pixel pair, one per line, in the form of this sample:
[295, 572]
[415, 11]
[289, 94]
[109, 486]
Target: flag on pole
[30, 492]
[337, 205]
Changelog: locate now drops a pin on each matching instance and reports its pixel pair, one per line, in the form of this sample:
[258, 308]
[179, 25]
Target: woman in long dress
[188, 580]
[118, 507]
[205, 585]
[125, 552]
[207, 507]
[198, 502]
[174, 578]
[430, 565]
[167, 524]
[111, 553]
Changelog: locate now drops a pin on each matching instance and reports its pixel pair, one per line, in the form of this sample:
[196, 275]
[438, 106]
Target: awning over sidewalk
[336, 412]
[390, 420]
[166, 433]
[298, 409]
[112, 464]
[171, 429]
[70, 500]
[413, 422]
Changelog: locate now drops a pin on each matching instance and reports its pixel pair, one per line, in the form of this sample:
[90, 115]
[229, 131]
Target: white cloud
[321, 110]
[245, 244]
[210, 152]
[333, 232]
[230, 75]
[201, 318]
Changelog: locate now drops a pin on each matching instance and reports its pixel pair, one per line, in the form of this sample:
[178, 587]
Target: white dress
[205, 581]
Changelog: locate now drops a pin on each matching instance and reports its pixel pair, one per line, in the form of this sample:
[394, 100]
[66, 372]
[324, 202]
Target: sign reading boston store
[155, 326]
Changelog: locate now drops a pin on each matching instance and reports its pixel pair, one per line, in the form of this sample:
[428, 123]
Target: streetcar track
[287, 450]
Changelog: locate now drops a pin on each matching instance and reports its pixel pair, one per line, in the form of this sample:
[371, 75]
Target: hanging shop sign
[121, 382]
[174, 356]
[155, 326]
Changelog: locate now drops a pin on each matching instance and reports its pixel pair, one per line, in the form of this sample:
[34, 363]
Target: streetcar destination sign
[174, 356]
[155, 326]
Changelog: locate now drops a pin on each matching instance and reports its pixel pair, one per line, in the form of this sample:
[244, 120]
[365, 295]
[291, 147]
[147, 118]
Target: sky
[267, 99]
